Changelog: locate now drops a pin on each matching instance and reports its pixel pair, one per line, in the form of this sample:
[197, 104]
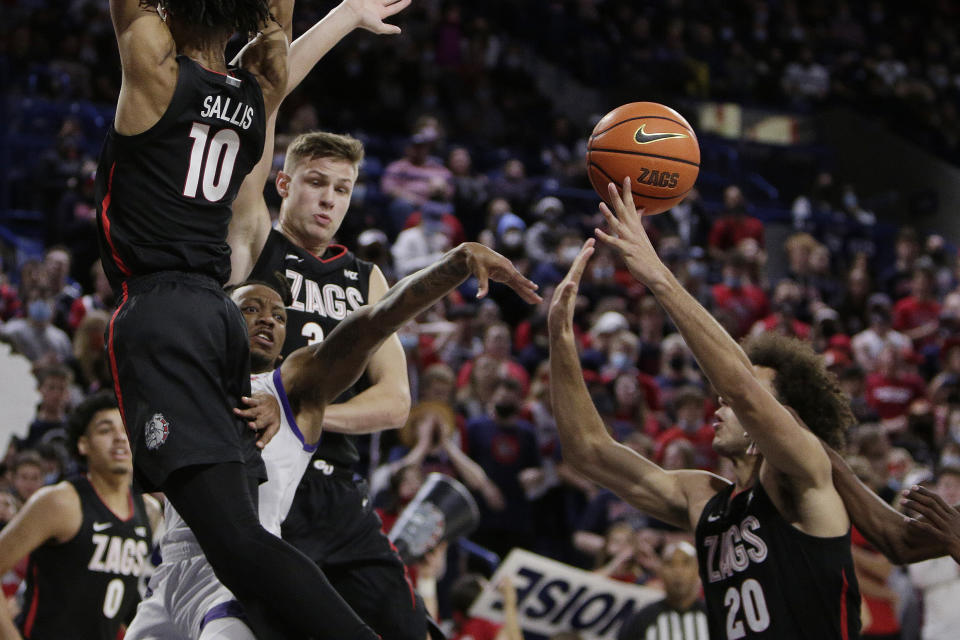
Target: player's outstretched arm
[676, 497]
[785, 443]
[882, 525]
[52, 514]
[317, 374]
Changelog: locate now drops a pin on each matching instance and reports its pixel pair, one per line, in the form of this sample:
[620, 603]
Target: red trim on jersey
[406, 576]
[844, 633]
[219, 73]
[343, 252]
[104, 503]
[105, 208]
[113, 356]
[32, 612]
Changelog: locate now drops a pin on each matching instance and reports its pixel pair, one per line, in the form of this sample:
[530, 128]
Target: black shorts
[180, 359]
[333, 522]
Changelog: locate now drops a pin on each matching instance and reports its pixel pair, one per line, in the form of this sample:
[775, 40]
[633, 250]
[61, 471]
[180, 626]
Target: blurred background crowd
[462, 145]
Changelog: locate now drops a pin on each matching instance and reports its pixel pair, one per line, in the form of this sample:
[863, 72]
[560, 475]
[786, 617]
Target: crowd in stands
[478, 371]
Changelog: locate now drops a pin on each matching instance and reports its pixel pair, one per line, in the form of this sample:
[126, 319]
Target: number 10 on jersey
[205, 159]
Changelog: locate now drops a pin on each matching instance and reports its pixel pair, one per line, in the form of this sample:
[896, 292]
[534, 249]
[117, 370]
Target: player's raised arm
[319, 373]
[784, 442]
[266, 55]
[148, 63]
[676, 497]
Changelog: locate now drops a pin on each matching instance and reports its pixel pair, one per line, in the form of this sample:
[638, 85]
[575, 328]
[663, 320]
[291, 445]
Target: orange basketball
[652, 144]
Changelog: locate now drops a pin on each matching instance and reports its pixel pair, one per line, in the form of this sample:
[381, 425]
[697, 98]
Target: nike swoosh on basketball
[642, 137]
[100, 526]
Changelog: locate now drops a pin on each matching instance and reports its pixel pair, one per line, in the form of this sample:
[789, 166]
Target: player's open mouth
[122, 454]
[264, 337]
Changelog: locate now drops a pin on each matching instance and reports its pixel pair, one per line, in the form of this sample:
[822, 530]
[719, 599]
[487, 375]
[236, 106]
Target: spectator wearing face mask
[504, 445]
[35, 336]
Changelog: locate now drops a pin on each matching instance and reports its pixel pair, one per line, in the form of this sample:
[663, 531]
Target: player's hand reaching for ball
[488, 265]
[370, 14]
[628, 236]
[564, 299]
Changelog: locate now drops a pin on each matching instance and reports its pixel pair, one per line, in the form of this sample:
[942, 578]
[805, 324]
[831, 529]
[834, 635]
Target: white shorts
[187, 601]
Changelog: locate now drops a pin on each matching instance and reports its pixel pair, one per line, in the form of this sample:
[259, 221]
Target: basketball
[652, 144]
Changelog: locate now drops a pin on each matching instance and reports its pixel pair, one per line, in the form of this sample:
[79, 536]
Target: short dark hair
[28, 457]
[242, 16]
[54, 371]
[464, 591]
[81, 416]
[276, 282]
[803, 383]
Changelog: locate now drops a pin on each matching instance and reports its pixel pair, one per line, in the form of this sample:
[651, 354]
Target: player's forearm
[378, 408]
[419, 291]
[880, 524]
[579, 425]
[8, 630]
[720, 357]
[316, 42]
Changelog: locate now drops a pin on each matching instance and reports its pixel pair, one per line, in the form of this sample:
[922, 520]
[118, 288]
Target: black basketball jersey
[86, 588]
[164, 196]
[764, 578]
[325, 290]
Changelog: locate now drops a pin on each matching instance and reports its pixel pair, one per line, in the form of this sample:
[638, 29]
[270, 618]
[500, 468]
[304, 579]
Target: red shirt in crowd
[910, 313]
[730, 230]
[891, 397]
[748, 304]
[476, 629]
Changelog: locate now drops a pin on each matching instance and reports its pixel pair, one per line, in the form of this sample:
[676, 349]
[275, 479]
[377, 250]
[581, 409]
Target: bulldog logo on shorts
[156, 431]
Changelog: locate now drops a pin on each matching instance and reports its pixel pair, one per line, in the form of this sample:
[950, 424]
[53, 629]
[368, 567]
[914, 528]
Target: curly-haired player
[773, 546]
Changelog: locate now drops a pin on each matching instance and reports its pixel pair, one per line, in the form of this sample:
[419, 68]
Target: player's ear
[283, 184]
[83, 446]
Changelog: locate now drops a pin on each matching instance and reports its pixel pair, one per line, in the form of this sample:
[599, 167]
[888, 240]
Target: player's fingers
[627, 198]
[922, 527]
[616, 226]
[941, 504]
[606, 238]
[580, 262]
[268, 434]
[396, 7]
[483, 280]
[925, 510]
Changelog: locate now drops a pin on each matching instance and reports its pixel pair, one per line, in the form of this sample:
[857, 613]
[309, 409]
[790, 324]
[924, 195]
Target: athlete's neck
[114, 490]
[746, 468]
[209, 58]
[311, 245]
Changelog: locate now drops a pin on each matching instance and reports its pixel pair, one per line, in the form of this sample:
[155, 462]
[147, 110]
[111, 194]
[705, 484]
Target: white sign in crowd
[554, 597]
